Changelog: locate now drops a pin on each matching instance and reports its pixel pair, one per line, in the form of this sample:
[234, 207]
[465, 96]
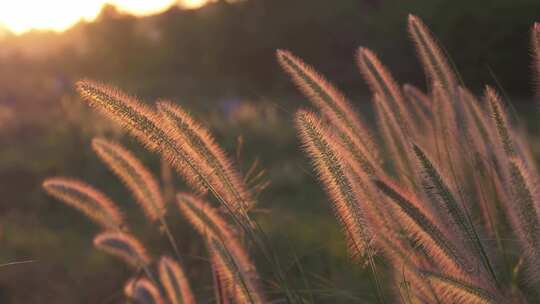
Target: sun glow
[193, 3]
[23, 15]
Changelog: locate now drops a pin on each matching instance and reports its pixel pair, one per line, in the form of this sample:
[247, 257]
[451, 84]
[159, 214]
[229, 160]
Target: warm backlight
[22, 15]
[193, 3]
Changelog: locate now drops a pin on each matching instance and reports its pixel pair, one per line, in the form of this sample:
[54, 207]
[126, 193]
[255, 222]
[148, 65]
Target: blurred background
[218, 59]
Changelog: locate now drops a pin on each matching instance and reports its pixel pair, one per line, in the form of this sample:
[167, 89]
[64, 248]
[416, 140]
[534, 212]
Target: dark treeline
[228, 49]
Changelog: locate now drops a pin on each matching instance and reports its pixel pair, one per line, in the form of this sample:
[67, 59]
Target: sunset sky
[22, 15]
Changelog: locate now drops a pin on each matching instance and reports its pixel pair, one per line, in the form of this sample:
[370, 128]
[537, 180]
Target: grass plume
[525, 216]
[424, 229]
[500, 121]
[224, 243]
[124, 246]
[535, 46]
[94, 204]
[453, 208]
[143, 291]
[144, 123]
[395, 139]
[135, 176]
[335, 180]
[328, 100]
[236, 280]
[421, 108]
[338, 185]
[474, 171]
[212, 159]
[175, 282]
[432, 57]
[453, 290]
[383, 84]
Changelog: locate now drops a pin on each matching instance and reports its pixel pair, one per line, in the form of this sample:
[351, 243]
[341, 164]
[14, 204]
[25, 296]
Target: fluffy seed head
[453, 290]
[425, 230]
[430, 54]
[405, 266]
[500, 120]
[213, 162]
[440, 186]
[535, 46]
[136, 117]
[395, 137]
[327, 99]
[134, 174]
[523, 211]
[94, 204]
[413, 92]
[383, 84]
[124, 246]
[335, 179]
[242, 285]
[145, 124]
[205, 219]
[420, 106]
[175, 282]
[221, 291]
[212, 226]
[142, 291]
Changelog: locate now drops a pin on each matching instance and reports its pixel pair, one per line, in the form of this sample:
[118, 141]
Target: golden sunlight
[193, 3]
[23, 15]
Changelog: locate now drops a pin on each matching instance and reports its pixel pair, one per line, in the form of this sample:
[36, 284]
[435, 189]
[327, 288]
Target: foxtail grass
[383, 84]
[455, 170]
[175, 282]
[431, 55]
[94, 204]
[139, 180]
[535, 47]
[524, 215]
[215, 165]
[421, 114]
[336, 181]
[144, 123]
[473, 176]
[143, 291]
[135, 176]
[329, 101]
[225, 246]
[235, 278]
[123, 246]
[221, 294]
[395, 140]
[426, 232]
[455, 290]
[500, 120]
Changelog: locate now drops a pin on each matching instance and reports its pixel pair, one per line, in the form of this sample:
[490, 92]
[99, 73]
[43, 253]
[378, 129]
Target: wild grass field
[448, 158]
[423, 193]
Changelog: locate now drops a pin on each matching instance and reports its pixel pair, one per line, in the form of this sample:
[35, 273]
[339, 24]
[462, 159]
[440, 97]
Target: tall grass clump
[439, 200]
[227, 228]
[455, 172]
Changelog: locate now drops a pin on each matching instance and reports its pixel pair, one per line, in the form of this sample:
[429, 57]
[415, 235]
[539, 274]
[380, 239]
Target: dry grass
[454, 161]
[429, 190]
